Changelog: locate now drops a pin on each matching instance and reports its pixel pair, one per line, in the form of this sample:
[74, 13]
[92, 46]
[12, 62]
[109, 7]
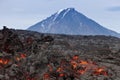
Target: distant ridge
[71, 22]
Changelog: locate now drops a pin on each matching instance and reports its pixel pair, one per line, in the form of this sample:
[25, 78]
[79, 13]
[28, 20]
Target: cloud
[117, 8]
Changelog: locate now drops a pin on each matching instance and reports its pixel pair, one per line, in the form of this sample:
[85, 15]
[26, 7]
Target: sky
[21, 14]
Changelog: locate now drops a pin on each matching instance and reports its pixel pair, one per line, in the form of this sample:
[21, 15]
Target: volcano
[71, 22]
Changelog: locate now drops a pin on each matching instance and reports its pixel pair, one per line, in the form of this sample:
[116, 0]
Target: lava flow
[75, 67]
[21, 56]
[4, 61]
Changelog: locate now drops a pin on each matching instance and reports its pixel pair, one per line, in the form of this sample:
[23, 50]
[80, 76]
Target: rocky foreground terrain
[26, 55]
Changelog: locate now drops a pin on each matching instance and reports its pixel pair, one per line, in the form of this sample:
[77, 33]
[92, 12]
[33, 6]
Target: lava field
[27, 55]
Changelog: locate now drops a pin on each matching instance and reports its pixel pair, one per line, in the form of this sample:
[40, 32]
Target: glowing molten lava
[4, 61]
[74, 64]
[59, 69]
[82, 62]
[23, 55]
[75, 67]
[46, 76]
[100, 71]
[17, 58]
[75, 57]
[61, 75]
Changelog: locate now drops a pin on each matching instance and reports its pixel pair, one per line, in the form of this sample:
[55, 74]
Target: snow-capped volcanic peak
[59, 11]
[62, 13]
[71, 22]
[65, 10]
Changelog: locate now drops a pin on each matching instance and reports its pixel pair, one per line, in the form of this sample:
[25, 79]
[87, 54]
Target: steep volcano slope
[69, 21]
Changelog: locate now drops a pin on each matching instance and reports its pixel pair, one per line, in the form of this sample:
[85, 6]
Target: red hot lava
[76, 67]
[21, 56]
[4, 61]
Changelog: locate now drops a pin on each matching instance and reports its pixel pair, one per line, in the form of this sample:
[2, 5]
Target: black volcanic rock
[39, 52]
[10, 41]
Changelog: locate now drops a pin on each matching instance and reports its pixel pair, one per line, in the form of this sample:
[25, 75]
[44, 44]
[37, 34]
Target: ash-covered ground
[27, 55]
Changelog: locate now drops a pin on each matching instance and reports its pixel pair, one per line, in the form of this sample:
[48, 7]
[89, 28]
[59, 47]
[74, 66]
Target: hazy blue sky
[21, 14]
